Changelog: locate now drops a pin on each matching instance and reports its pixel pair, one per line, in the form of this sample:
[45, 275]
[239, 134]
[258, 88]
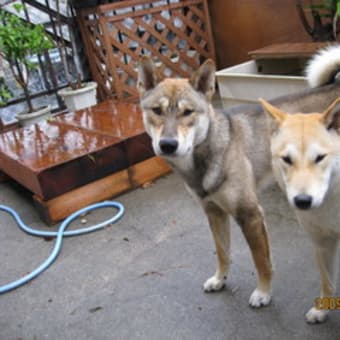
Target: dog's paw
[213, 284]
[259, 298]
[316, 315]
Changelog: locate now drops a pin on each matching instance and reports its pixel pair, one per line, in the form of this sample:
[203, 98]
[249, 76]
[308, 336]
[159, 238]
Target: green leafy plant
[325, 15]
[5, 92]
[20, 40]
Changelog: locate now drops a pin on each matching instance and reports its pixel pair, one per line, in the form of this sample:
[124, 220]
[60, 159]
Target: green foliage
[326, 8]
[18, 41]
[5, 92]
[338, 8]
[326, 14]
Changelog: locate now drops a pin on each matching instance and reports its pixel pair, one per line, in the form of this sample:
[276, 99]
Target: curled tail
[324, 66]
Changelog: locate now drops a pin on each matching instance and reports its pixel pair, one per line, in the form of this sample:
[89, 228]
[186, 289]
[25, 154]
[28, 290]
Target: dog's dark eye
[187, 112]
[157, 110]
[319, 158]
[287, 160]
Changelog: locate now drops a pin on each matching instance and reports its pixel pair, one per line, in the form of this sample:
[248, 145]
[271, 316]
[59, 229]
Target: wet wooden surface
[124, 122]
[72, 150]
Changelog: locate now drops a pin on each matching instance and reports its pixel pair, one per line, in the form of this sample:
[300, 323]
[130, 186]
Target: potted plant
[20, 40]
[78, 94]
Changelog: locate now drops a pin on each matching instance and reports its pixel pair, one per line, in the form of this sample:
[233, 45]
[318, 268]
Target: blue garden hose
[59, 236]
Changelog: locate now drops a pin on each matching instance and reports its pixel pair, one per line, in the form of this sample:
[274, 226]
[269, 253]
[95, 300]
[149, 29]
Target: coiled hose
[59, 236]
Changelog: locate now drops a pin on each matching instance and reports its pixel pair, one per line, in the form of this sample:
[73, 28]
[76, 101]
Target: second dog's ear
[275, 112]
[203, 80]
[147, 75]
[331, 116]
[277, 116]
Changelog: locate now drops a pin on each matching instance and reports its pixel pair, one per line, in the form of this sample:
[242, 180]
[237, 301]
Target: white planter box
[81, 98]
[242, 84]
[26, 119]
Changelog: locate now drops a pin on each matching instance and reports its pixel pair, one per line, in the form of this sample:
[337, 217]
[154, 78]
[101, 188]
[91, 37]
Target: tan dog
[306, 162]
[223, 158]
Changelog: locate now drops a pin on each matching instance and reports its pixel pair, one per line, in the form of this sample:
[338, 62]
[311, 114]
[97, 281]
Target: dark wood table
[82, 157]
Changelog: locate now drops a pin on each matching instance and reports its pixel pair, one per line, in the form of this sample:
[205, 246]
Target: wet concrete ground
[142, 277]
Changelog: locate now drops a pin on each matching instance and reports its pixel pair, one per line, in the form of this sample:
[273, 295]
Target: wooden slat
[287, 50]
[3, 177]
[115, 38]
[148, 170]
[58, 208]
[62, 206]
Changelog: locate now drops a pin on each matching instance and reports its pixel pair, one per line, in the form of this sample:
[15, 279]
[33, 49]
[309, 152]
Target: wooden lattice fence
[175, 33]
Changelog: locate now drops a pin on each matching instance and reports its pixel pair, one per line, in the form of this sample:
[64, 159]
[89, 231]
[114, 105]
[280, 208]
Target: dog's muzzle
[168, 145]
[303, 201]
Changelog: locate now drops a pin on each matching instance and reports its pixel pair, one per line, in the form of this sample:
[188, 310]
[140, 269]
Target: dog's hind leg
[250, 217]
[326, 256]
[220, 228]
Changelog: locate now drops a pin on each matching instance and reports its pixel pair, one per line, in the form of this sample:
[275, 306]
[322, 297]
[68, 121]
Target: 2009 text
[331, 303]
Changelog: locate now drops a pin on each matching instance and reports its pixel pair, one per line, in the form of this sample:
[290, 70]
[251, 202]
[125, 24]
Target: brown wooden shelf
[287, 50]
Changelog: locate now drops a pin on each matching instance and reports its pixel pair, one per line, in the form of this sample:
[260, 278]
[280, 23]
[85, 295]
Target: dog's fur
[305, 152]
[223, 158]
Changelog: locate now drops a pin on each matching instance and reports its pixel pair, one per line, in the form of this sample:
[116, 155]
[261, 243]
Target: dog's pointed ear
[274, 112]
[331, 116]
[148, 77]
[203, 80]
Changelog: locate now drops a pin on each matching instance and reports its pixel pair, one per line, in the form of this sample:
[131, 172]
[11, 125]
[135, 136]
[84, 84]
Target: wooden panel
[242, 26]
[58, 208]
[49, 143]
[287, 50]
[176, 34]
[148, 171]
[138, 148]
[119, 119]
[62, 206]
[76, 173]
[23, 175]
[3, 177]
[48, 157]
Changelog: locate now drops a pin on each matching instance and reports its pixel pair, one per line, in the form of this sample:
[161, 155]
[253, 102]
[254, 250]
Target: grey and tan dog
[223, 158]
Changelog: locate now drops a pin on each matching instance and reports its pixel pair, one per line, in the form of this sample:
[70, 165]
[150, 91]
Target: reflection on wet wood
[76, 149]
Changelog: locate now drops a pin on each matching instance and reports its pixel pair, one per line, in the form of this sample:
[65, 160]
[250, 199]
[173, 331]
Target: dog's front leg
[220, 228]
[251, 220]
[326, 257]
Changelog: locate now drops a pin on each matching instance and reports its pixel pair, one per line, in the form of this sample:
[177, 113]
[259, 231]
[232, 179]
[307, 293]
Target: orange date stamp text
[330, 303]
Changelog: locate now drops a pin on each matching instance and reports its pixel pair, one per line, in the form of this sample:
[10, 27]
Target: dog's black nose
[168, 145]
[303, 201]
